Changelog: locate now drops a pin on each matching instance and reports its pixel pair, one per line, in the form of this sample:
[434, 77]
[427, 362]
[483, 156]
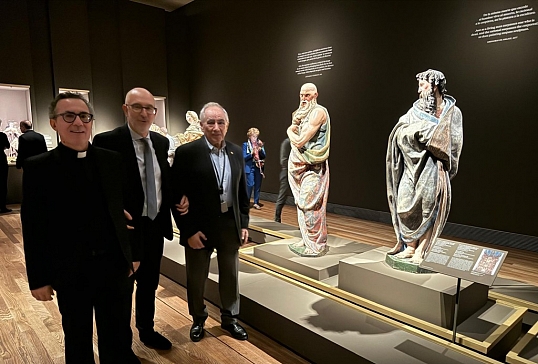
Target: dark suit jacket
[4, 144]
[52, 251]
[120, 141]
[30, 144]
[193, 175]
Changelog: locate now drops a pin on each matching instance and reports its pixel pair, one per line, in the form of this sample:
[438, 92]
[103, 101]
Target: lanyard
[220, 179]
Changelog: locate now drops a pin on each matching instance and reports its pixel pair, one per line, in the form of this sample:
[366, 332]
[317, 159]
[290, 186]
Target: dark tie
[151, 191]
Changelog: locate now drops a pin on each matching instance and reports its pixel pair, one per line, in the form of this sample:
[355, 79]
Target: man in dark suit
[210, 172]
[285, 149]
[75, 237]
[147, 173]
[30, 143]
[4, 144]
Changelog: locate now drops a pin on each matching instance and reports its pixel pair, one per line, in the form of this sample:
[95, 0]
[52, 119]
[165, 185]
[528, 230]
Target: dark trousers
[282, 193]
[103, 287]
[147, 276]
[225, 240]
[3, 184]
[254, 182]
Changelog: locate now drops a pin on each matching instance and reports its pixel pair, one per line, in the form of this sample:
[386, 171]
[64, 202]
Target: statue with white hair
[308, 171]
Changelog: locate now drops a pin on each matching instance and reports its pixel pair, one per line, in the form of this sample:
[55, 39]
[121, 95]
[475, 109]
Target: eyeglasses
[69, 117]
[138, 108]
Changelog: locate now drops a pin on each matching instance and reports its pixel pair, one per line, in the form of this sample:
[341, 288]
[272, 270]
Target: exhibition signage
[462, 260]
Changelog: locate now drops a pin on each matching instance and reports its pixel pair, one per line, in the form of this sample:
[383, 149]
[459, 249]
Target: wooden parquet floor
[31, 332]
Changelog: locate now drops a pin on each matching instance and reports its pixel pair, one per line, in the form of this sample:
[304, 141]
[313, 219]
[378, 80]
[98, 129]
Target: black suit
[4, 144]
[193, 175]
[285, 150]
[30, 144]
[75, 240]
[150, 233]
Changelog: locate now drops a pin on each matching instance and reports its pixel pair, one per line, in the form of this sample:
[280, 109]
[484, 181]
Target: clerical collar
[71, 153]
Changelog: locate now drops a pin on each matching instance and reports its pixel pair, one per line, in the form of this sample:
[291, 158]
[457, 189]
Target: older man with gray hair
[210, 172]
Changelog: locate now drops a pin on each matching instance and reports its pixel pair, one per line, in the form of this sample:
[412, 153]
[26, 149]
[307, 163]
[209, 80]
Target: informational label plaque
[462, 260]
[314, 62]
[503, 25]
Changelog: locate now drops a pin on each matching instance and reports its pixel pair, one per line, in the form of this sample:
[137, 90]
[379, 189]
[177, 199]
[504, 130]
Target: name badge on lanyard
[223, 206]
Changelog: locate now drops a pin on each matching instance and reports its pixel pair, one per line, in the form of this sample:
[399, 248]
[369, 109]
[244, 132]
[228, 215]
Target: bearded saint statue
[308, 171]
[422, 157]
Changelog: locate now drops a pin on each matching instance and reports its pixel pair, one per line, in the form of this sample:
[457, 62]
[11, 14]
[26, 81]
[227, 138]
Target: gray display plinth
[321, 330]
[318, 268]
[429, 297]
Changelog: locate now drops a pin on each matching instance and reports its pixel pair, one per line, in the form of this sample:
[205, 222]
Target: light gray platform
[319, 268]
[429, 297]
[317, 328]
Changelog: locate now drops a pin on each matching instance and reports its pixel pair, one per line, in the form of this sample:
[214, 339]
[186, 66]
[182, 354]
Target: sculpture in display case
[308, 171]
[13, 132]
[422, 157]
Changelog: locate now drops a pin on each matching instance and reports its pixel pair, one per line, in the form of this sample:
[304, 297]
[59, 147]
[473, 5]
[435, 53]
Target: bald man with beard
[308, 171]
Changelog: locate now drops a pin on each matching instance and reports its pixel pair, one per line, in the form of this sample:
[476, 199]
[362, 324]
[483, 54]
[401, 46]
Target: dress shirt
[139, 150]
[220, 160]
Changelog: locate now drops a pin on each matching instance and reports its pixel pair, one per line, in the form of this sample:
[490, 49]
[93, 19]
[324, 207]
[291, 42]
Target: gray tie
[151, 191]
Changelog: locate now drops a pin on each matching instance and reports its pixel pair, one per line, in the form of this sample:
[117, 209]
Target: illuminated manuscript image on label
[488, 262]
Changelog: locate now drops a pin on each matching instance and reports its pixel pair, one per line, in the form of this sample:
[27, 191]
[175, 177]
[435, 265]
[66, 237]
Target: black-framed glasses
[138, 108]
[69, 117]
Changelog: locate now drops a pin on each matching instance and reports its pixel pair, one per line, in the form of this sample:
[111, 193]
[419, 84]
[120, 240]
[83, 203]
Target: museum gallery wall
[245, 54]
[253, 56]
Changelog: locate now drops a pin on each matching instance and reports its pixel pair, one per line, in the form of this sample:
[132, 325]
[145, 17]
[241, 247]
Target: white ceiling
[168, 5]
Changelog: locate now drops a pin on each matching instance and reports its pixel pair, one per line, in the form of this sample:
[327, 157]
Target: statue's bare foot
[409, 252]
[416, 259]
[298, 244]
[396, 249]
[305, 251]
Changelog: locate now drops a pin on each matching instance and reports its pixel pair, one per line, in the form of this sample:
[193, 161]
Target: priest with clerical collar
[76, 241]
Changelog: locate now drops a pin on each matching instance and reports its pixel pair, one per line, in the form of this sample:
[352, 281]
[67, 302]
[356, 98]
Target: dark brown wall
[107, 47]
[242, 54]
[244, 57]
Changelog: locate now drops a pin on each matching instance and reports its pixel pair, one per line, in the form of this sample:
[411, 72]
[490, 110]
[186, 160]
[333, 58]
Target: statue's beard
[427, 101]
[304, 109]
[305, 104]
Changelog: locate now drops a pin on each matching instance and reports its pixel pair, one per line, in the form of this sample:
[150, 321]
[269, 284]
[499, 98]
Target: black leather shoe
[237, 331]
[155, 340]
[197, 331]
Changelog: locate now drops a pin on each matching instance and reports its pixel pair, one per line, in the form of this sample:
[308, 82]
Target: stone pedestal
[429, 297]
[318, 268]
